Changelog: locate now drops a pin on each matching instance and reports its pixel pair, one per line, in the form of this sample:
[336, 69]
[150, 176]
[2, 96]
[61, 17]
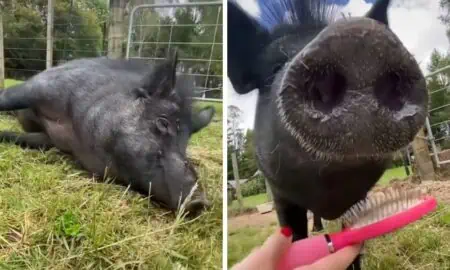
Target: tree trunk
[50, 9]
[116, 27]
[2, 57]
[237, 179]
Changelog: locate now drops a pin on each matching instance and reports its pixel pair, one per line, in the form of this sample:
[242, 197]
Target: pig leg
[317, 225]
[18, 97]
[29, 121]
[35, 140]
[293, 216]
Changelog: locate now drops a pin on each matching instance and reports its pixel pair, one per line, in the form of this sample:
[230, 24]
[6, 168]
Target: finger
[277, 244]
[250, 262]
[266, 256]
[340, 260]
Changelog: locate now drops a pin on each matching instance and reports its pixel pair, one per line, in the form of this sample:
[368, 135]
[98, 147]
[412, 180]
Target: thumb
[277, 244]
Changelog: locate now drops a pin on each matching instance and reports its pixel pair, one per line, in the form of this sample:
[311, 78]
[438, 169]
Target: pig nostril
[326, 90]
[195, 207]
[388, 91]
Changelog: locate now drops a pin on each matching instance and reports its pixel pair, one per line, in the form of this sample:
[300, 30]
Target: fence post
[115, 30]
[50, 8]
[268, 191]
[237, 179]
[2, 56]
[422, 160]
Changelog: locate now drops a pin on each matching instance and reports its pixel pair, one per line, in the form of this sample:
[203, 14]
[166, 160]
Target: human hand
[268, 255]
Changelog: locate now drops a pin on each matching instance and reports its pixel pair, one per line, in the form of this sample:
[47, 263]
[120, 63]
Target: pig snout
[195, 207]
[354, 86]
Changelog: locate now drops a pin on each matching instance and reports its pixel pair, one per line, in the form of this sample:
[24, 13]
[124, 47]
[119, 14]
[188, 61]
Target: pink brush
[378, 215]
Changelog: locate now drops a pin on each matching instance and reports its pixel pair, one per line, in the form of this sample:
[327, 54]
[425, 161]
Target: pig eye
[163, 125]
[159, 155]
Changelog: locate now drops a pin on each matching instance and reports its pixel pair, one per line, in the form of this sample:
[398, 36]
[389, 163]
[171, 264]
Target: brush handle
[309, 250]
[304, 252]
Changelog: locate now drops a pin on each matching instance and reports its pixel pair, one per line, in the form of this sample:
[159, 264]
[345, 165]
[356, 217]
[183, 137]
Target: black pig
[128, 116]
[336, 99]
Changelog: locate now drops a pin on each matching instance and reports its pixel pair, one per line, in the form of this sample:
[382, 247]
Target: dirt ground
[256, 220]
[439, 189]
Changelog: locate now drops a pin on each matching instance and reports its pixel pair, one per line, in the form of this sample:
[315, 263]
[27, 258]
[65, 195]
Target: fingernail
[286, 231]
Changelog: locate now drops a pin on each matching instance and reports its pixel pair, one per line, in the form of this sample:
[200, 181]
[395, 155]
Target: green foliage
[253, 187]
[77, 33]
[192, 31]
[439, 95]
[247, 160]
[68, 225]
[246, 156]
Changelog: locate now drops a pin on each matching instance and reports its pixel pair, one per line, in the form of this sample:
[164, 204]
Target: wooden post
[268, 191]
[50, 8]
[116, 27]
[237, 179]
[422, 159]
[2, 55]
[405, 161]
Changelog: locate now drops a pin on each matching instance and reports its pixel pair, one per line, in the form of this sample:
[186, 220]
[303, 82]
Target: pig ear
[202, 118]
[246, 39]
[161, 81]
[379, 11]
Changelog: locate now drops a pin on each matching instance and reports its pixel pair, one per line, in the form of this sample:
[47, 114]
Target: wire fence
[195, 29]
[438, 120]
[80, 30]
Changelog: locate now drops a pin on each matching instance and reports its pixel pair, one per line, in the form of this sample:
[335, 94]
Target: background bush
[253, 187]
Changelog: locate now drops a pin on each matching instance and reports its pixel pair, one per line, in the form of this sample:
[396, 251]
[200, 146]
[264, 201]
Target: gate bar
[431, 139]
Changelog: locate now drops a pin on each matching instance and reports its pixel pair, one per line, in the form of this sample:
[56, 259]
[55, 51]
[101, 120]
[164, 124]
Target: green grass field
[9, 82]
[53, 216]
[391, 174]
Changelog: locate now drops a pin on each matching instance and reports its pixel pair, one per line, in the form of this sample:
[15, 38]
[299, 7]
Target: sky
[415, 22]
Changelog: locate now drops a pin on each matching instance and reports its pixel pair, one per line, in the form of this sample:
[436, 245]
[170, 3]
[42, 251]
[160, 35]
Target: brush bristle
[381, 205]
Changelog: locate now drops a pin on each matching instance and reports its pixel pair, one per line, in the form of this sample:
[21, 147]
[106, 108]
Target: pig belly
[90, 161]
[61, 134]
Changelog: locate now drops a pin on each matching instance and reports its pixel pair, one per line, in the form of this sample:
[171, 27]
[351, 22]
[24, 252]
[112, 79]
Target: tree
[77, 33]
[235, 134]
[438, 87]
[247, 160]
[192, 31]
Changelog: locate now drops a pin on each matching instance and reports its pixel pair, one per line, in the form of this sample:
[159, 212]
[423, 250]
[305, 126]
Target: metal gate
[438, 126]
[194, 29]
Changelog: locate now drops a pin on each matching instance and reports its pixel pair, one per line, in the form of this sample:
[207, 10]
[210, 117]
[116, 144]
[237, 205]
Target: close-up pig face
[347, 85]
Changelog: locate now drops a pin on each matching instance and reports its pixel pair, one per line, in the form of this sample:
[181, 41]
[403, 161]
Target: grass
[421, 245]
[250, 201]
[391, 174]
[9, 82]
[53, 216]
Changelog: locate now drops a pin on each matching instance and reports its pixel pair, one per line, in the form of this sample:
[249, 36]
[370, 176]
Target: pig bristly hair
[296, 12]
[251, 36]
